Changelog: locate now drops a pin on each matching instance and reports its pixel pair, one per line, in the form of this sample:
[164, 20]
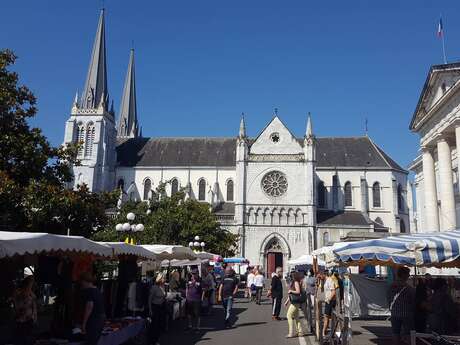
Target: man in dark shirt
[94, 315]
[227, 290]
[401, 299]
[276, 293]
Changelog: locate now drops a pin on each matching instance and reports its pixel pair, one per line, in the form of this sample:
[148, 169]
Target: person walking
[401, 299]
[208, 290]
[296, 297]
[330, 298]
[259, 283]
[93, 312]
[157, 309]
[309, 282]
[250, 284]
[227, 291]
[193, 297]
[25, 308]
[276, 293]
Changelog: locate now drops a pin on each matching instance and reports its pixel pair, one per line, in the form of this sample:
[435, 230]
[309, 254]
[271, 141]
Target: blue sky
[199, 64]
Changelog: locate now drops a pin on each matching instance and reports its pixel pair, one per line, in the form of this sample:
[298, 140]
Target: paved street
[252, 325]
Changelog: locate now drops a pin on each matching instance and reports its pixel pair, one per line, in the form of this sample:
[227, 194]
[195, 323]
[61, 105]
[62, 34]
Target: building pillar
[446, 185]
[431, 200]
[457, 144]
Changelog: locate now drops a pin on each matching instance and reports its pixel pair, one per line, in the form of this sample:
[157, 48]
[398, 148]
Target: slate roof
[225, 208]
[346, 218]
[181, 152]
[177, 152]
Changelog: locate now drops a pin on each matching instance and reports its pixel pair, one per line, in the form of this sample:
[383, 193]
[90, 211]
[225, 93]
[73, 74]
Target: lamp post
[196, 245]
[129, 227]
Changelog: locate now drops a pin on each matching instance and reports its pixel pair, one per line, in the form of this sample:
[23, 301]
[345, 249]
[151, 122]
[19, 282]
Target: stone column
[446, 185]
[431, 200]
[457, 143]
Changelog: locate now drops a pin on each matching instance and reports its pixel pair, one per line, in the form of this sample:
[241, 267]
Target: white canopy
[122, 248]
[20, 243]
[305, 260]
[170, 252]
[182, 263]
[206, 256]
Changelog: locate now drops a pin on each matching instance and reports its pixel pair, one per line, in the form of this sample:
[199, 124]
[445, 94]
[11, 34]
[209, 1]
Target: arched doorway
[273, 256]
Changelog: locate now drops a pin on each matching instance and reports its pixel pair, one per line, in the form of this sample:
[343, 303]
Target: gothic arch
[283, 216]
[298, 216]
[284, 244]
[291, 217]
[275, 216]
[267, 216]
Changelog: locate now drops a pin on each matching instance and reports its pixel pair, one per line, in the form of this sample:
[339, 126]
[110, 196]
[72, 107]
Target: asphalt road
[252, 324]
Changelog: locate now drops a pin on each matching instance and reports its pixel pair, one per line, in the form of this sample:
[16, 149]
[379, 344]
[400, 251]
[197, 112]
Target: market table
[120, 336]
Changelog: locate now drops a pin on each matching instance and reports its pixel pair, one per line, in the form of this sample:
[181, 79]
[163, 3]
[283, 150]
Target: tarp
[170, 252]
[122, 248]
[369, 296]
[20, 243]
[422, 249]
[236, 260]
[305, 260]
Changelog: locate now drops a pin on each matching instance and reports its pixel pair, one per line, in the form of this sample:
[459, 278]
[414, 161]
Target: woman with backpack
[297, 296]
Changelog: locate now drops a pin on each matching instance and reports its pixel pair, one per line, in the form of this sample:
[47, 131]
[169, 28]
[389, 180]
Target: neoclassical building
[282, 194]
[437, 121]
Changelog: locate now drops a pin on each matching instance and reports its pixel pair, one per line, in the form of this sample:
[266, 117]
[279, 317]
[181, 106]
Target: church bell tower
[92, 123]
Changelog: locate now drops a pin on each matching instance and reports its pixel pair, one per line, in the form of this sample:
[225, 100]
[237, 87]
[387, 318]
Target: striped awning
[438, 249]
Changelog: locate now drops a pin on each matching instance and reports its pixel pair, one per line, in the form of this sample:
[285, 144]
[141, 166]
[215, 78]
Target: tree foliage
[34, 174]
[173, 220]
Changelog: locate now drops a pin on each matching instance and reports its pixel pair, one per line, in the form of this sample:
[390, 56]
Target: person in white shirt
[249, 283]
[259, 283]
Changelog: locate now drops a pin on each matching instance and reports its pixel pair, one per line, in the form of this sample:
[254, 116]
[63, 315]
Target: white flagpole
[444, 47]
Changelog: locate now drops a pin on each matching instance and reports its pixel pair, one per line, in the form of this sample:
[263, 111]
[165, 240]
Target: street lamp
[129, 228]
[196, 245]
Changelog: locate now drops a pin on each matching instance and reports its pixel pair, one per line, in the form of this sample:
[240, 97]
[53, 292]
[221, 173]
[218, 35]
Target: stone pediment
[441, 81]
[276, 139]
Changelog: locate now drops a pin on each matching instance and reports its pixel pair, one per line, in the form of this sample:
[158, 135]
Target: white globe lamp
[130, 216]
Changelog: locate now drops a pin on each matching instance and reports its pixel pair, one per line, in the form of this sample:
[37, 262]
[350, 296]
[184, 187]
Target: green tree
[34, 174]
[173, 220]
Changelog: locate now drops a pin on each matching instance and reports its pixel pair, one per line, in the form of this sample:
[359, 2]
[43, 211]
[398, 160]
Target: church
[283, 195]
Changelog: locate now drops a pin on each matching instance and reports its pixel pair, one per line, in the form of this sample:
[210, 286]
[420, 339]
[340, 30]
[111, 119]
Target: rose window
[274, 183]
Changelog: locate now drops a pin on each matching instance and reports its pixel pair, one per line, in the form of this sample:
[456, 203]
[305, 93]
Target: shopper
[250, 284]
[259, 283]
[174, 282]
[157, 308]
[276, 293]
[194, 297]
[330, 298]
[401, 299]
[227, 292]
[297, 296]
[93, 312]
[444, 312]
[209, 286]
[25, 308]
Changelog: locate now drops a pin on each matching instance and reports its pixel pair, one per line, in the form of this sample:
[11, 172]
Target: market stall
[438, 249]
[305, 260]
[170, 252]
[57, 262]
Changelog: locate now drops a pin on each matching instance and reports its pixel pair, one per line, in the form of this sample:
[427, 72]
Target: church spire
[128, 126]
[309, 132]
[242, 133]
[95, 91]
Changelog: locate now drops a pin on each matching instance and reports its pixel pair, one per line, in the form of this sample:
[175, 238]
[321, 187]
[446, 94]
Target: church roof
[346, 218]
[177, 152]
[353, 152]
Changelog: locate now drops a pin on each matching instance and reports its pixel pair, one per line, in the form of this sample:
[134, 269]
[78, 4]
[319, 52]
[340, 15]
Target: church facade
[283, 195]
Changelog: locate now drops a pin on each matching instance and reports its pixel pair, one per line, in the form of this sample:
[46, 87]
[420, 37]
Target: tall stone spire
[242, 133]
[309, 132]
[95, 91]
[127, 125]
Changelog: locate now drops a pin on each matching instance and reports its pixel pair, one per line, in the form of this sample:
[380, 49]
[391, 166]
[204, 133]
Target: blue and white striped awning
[440, 249]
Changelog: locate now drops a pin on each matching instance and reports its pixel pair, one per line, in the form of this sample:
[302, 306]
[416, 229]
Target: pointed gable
[441, 81]
[276, 139]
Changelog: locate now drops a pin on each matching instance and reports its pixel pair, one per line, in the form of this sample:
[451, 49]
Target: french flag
[440, 28]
